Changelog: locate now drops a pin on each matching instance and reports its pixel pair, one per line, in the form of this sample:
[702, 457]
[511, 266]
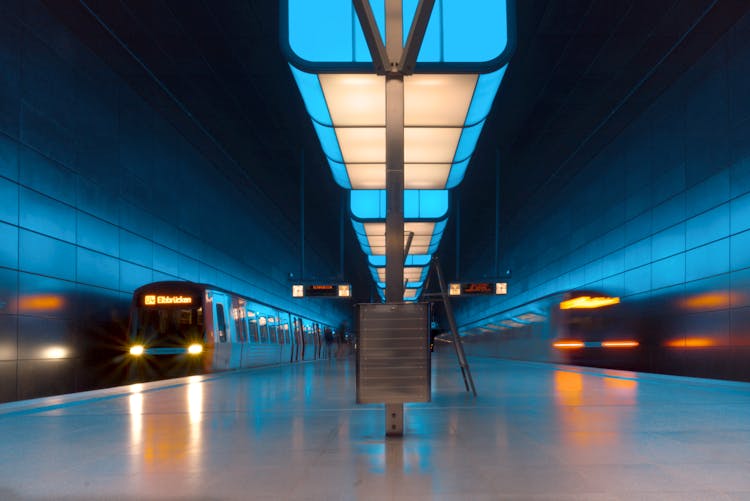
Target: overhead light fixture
[448, 90]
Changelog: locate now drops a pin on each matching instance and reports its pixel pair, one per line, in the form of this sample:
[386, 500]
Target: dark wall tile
[8, 201]
[8, 245]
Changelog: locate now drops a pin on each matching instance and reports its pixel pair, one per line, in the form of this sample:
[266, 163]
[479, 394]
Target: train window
[169, 325]
[271, 334]
[263, 333]
[254, 336]
[221, 323]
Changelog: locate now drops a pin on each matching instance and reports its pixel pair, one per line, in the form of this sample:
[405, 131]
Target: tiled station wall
[99, 195]
[662, 213]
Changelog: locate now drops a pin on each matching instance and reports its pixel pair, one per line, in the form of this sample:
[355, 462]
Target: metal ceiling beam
[372, 35]
[416, 36]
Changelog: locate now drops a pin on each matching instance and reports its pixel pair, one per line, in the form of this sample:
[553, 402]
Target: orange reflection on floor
[568, 388]
[159, 441]
[691, 342]
[625, 390]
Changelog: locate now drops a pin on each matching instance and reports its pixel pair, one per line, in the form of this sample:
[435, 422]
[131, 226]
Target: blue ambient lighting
[484, 95]
[370, 205]
[328, 31]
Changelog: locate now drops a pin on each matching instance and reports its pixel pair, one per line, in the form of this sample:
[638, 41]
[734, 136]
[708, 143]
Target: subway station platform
[536, 431]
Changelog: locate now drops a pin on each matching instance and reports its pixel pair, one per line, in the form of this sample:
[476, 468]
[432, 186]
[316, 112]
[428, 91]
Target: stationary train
[184, 327]
[689, 334]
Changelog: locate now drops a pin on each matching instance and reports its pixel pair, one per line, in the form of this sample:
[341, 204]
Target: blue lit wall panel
[136, 249]
[8, 291]
[97, 235]
[94, 268]
[708, 260]
[707, 194]
[47, 215]
[47, 176]
[133, 276]
[707, 227]
[8, 156]
[668, 272]
[739, 250]
[46, 256]
[94, 190]
[638, 253]
[669, 212]
[9, 247]
[8, 201]
[740, 213]
[638, 228]
[668, 242]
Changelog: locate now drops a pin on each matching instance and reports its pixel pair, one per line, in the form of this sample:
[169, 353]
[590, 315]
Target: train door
[237, 341]
[299, 348]
[222, 332]
[286, 337]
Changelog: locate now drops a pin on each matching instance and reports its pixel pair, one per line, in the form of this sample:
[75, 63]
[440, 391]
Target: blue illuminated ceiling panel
[366, 205]
[323, 35]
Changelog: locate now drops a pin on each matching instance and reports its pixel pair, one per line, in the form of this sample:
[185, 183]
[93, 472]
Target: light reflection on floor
[294, 432]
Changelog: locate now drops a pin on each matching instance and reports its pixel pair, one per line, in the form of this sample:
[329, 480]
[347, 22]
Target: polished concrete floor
[536, 431]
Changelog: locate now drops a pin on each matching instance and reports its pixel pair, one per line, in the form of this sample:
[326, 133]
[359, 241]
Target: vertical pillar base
[394, 420]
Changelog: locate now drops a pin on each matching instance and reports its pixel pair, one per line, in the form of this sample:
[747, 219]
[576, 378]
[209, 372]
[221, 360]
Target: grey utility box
[393, 356]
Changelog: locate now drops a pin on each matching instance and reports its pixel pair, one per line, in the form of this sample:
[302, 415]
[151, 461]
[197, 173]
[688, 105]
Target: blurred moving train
[691, 334]
[184, 327]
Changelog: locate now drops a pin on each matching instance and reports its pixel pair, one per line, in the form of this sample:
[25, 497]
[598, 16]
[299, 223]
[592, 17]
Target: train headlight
[137, 350]
[195, 349]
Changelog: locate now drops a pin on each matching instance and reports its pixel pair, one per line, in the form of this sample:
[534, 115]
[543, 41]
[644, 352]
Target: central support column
[394, 181]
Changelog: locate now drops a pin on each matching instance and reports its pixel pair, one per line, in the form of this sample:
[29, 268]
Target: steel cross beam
[372, 35]
[416, 36]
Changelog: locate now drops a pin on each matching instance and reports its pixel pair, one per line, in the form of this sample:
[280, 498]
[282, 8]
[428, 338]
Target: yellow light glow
[40, 302]
[411, 273]
[137, 350]
[620, 344]
[298, 290]
[454, 289]
[410, 293]
[564, 345]
[345, 290]
[425, 176]
[354, 100]
[439, 99]
[362, 144]
[55, 352]
[420, 242]
[691, 342]
[711, 300]
[417, 176]
[367, 176]
[588, 302]
[430, 145]
[195, 348]
[435, 110]
[151, 300]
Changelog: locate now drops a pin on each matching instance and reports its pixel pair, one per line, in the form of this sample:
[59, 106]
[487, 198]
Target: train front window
[169, 326]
